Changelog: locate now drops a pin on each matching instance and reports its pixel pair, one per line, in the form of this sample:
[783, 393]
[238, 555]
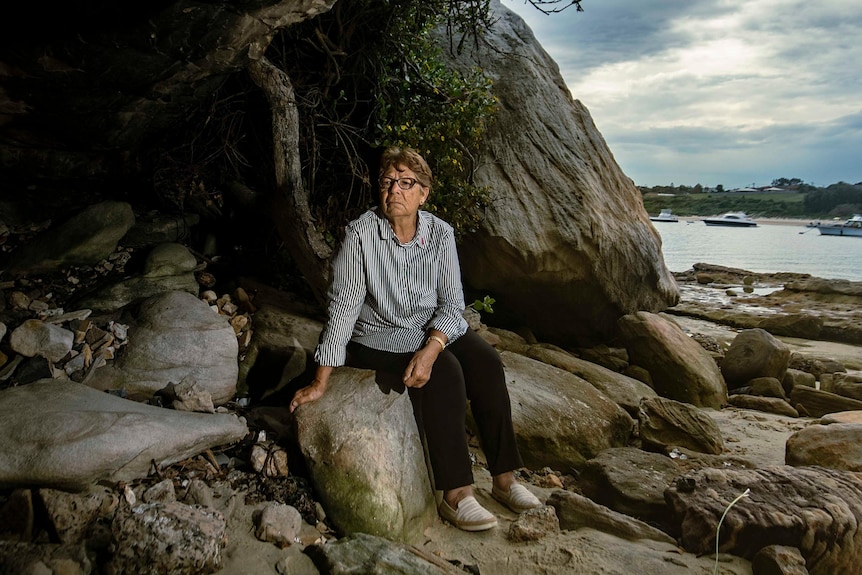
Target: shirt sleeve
[449, 317]
[346, 296]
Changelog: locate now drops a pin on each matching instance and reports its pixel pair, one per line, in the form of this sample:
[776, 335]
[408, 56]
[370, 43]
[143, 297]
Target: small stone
[269, 460]
[161, 492]
[279, 523]
[19, 300]
[534, 524]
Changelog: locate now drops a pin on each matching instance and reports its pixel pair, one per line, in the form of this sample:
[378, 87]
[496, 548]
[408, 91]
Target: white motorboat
[852, 227]
[736, 219]
[664, 216]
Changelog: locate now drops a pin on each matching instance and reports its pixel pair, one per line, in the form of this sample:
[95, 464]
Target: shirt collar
[421, 237]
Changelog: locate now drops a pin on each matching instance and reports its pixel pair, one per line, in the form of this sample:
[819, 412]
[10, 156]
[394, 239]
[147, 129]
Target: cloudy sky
[731, 92]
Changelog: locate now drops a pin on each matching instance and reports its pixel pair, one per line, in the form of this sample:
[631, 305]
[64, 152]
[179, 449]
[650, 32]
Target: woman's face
[397, 202]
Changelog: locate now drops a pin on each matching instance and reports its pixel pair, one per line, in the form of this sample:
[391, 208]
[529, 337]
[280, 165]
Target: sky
[730, 92]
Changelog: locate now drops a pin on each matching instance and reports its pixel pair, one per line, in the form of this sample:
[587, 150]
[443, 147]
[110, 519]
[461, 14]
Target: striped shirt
[387, 295]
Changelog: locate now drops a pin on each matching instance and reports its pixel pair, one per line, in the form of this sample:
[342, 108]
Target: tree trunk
[291, 210]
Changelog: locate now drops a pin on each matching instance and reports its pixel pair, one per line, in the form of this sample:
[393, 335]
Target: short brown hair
[409, 158]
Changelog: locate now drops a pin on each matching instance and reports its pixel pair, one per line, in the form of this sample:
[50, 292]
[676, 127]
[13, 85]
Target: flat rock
[58, 433]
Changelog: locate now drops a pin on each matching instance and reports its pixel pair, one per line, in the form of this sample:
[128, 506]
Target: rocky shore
[143, 429]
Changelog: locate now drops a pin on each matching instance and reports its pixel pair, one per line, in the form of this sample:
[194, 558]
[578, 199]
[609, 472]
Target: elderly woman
[396, 304]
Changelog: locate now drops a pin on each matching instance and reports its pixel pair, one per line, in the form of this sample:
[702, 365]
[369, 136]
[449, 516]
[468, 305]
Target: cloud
[716, 91]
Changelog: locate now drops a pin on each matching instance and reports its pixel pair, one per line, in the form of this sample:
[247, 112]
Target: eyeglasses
[403, 183]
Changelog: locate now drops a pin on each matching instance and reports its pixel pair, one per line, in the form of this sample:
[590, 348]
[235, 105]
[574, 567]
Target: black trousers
[467, 370]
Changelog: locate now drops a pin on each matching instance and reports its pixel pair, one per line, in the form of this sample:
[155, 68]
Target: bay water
[767, 248]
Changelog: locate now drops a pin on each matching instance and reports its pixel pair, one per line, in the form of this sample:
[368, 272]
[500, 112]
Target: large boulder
[365, 457]
[175, 338]
[566, 246]
[664, 423]
[754, 353]
[560, 420]
[680, 368]
[814, 509]
[84, 239]
[837, 446]
[64, 434]
[626, 391]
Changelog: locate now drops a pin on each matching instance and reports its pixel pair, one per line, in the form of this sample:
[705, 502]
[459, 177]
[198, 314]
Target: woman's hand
[418, 371]
[312, 391]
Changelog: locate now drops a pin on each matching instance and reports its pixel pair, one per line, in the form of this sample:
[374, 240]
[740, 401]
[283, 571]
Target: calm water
[766, 248]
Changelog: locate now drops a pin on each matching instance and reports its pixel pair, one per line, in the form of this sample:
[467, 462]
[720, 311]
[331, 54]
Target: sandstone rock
[764, 404]
[365, 457]
[629, 481]
[189, 395]
[510, 341]
[633, 482]
[815, 365]
[175, 337]
[565, 251]
[154, 228]
[169, 259]
[814, 509]
[17, 516]
[680, 368]
[167, 538]
[754, 353]
[818, 403]
[837, 446]
[767, 387]
[623, 390]
[842, 417]
[44, 559]
[665, 422]
[278, 523]
[534, 524]
[560, 420]
[168, 267]
[613, 358]
[73, 516]
[278, 351]
[364, 553]
[846, 385]
[799, 325]
[48, 424]
[576, 511]
[83, 240]
[778, 560]
[794, 377]
[34, 337]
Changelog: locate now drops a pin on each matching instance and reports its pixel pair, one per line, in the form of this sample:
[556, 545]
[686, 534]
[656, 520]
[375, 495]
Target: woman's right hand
[312, 391]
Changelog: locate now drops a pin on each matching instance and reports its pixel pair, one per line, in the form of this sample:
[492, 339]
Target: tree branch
[291, 206]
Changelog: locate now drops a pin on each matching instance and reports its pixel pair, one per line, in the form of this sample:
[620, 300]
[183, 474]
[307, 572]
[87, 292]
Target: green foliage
[764, 205]
[444, 117]
[485, 304]
[843, 197]
[368, 74]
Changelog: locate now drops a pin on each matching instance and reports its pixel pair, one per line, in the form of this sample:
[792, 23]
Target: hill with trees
[795, 199]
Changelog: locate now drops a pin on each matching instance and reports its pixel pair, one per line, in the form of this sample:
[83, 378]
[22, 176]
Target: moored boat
[664, 216]
[852, 227]
[736, 219]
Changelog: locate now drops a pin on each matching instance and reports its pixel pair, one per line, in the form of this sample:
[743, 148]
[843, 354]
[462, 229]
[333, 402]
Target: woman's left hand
[418, 371]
